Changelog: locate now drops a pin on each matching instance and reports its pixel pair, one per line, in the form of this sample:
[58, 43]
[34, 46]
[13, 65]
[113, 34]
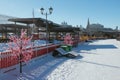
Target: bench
[59, 52]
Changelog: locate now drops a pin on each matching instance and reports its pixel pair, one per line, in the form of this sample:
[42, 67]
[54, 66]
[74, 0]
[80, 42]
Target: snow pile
[36, 43]
[3, 47]
[57, 42]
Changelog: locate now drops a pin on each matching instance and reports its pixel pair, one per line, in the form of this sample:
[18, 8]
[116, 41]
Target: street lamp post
[46, 14]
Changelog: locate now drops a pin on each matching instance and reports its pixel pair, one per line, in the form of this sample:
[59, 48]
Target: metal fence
[7, 59]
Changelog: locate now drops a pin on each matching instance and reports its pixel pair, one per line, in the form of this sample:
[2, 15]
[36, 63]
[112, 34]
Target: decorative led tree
[68, 39]
[21, 47]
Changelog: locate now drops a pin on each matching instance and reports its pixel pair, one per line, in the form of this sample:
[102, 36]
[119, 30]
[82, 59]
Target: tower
[88, 24]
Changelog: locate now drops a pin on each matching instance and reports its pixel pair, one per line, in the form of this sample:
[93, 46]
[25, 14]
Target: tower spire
[88, 24]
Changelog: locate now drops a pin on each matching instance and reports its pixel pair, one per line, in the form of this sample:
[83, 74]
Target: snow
[100, 61]
[36, 43]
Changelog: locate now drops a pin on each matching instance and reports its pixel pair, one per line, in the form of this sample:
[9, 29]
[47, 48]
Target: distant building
[65, 24]
[98, 30]
[93, 28]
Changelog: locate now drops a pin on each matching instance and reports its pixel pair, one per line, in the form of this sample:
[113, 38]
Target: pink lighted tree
[68, 39]
[21, 47]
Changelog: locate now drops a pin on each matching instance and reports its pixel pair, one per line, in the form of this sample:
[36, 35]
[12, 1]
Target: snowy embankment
[100, 61]
[36, 43]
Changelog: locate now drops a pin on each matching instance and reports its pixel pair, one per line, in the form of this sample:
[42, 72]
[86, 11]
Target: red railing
[7, 59]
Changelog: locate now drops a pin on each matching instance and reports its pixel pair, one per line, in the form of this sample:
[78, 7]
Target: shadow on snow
[88, 47]
[100, 64]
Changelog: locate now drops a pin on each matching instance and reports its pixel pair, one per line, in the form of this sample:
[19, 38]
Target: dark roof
[63, 29]
[13, 26]
[4, 31]
[39, 22]
[25, 20]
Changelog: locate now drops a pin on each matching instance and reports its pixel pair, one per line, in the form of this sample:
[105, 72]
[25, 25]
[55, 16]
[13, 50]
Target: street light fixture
[42, 10]
[50, 10]
[46, 14]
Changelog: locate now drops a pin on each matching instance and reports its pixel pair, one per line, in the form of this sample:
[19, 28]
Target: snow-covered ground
[100, 61]
[36, 43]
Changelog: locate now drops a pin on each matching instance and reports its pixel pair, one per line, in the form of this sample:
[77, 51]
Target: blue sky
[74, 12]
